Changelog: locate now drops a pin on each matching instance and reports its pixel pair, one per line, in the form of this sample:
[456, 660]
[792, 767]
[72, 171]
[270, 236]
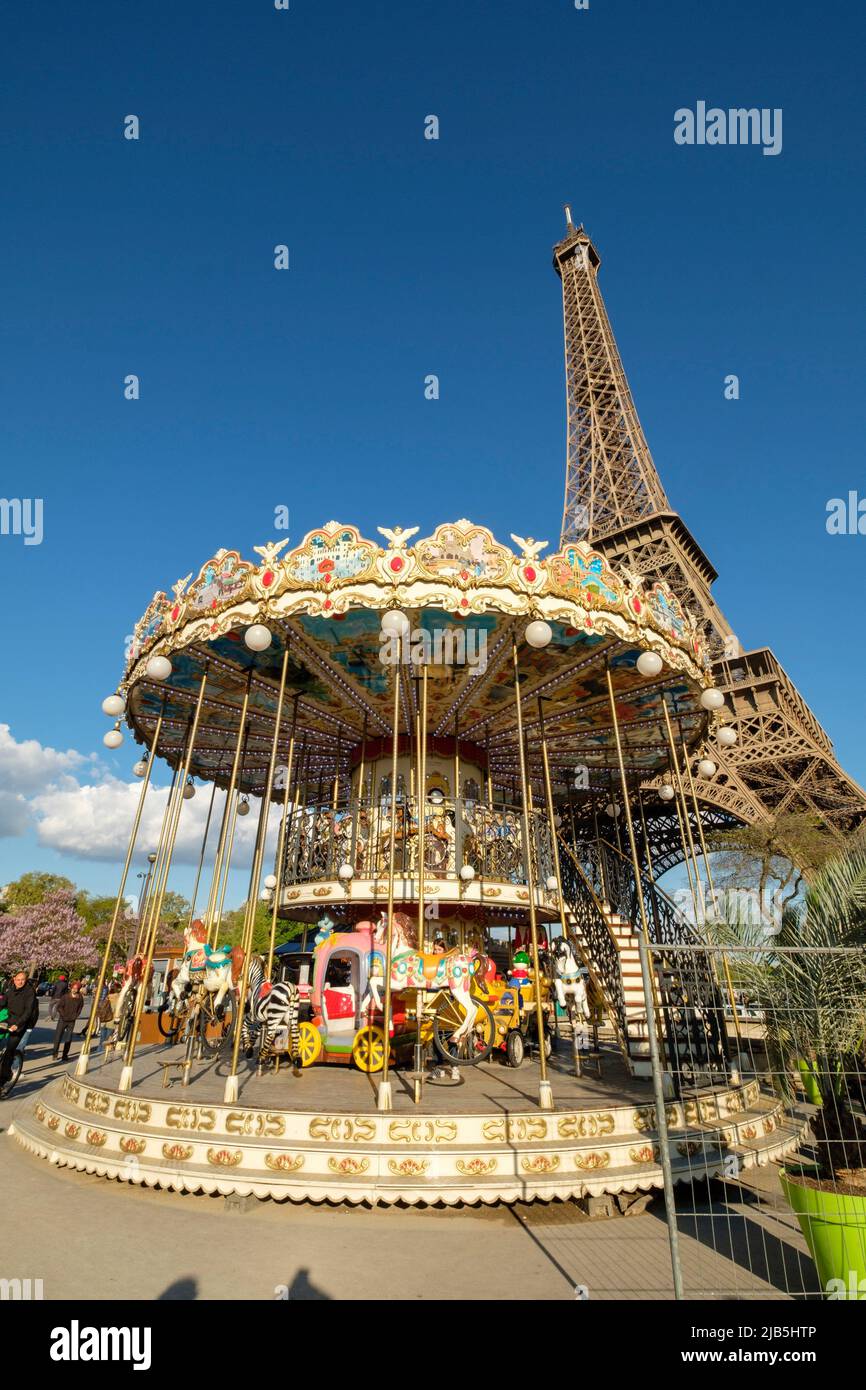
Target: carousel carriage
[347, 1025]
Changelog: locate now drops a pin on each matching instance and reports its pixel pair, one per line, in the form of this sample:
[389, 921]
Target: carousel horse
[272, 1008]
[133, 974]
[570, 984]
[216, 968]
[414, 969]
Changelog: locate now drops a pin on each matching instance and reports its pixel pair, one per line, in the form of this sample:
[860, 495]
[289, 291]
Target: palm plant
[810, 981]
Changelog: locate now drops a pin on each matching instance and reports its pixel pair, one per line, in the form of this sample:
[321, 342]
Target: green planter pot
[834, 1228]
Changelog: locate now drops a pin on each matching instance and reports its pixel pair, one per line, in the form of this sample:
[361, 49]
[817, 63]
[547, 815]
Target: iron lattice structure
[783, 760]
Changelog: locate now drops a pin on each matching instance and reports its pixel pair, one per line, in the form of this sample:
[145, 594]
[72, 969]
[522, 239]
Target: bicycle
[17, 1064]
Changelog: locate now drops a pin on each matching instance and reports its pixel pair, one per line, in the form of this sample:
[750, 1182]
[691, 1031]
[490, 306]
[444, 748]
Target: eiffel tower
[783, 760]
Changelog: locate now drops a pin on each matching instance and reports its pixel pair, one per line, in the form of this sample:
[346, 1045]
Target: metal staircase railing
[692, 1002]
[594, 940]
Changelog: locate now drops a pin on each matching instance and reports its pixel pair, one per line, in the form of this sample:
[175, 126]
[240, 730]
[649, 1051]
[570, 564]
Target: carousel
[450, 745]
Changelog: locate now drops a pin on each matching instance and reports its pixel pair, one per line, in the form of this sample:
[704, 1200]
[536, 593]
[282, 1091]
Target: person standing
[67, 1008]
[23, 1013]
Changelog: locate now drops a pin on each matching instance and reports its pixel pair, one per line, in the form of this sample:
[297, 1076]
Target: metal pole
[281, 847]
[631, 839]
[231, 1088]
[545, 1092]
[201, 856]
[700, 911]
[647, 971]
[159, 894]
[228, 810]
[81, 1065]
[384, 1099]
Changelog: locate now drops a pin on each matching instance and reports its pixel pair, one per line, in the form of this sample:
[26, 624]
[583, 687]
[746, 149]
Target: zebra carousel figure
[270, 1022]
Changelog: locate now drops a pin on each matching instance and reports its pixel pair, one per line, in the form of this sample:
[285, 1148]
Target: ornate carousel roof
[326, 597]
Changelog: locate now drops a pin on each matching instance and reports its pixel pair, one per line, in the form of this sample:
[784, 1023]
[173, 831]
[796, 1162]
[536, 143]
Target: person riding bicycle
[22, 1013]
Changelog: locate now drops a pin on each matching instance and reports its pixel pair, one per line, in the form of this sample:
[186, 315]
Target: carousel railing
[322, 837]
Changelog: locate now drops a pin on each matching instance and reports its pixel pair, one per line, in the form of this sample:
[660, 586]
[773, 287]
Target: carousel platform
[319, 1137]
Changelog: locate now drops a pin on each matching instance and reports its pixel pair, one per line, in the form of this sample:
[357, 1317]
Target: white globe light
[265, 895]
[611, 809]
[666, 792]
[550, 884]
[395, 623]
[712, 699]
[258, 637]
[727, 737]
[345, 873]
[140, 768]
[159, 668]
[436, 796]
[557, 821]
[113, 739]
[271, 882]
[649, 663]
[189, 790]
[706, 767]
[113, 705]
[467, 873]
[243, 807]
[538, 633]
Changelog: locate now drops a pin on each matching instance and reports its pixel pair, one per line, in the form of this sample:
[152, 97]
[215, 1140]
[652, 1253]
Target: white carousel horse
[414, 969]
[217, 969]
[570, 984]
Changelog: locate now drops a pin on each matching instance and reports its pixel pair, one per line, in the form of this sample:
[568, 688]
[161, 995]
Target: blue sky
[305, 388]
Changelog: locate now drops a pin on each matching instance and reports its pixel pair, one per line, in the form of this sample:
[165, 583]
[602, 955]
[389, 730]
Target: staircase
[601, 912]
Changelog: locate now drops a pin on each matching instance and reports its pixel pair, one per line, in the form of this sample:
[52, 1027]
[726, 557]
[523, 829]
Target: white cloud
[14, 815]
[29, 767]
[94, 822]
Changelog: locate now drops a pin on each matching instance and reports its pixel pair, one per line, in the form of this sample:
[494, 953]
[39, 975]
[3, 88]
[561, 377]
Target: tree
[46, 936]
[33, 888]
[771, 861]
[811, 985]
[231, 928]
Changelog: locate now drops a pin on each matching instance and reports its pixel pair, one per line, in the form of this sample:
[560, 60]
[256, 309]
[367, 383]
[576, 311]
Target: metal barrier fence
[784, 1213]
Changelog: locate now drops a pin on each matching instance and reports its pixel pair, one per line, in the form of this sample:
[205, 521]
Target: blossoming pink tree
[46, 936]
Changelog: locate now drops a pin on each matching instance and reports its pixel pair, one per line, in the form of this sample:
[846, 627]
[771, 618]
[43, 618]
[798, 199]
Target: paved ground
[85, 1236]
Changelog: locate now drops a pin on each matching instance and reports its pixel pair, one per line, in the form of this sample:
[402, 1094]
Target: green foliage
[231, 929]
[813, 996]
[32, 888]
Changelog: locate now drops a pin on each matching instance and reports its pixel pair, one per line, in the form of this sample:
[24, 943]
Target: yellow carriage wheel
[310, 1044]
[368, 1049]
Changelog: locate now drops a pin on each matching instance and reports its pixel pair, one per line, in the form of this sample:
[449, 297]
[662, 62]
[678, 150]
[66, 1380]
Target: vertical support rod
[545, 1093]
[384, 1100]
[81, 1065]
[281, 847]
[231, 1088]
[159, 893]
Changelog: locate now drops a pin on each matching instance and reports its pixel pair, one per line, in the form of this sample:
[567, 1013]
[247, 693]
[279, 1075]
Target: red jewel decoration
[268, 578]
[464, 574]
[175, 613]
[213, 627]
[327, 603]
[326, 579]
[635, 603]
[213, 603]
[589, 622]
[464, 603]
[529, 573]
[396, 564]
[571, 632]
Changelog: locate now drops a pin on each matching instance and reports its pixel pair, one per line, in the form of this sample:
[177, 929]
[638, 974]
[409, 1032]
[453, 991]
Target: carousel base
[320, 1138]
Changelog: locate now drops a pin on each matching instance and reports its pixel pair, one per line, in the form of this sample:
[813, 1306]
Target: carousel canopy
[466, 598]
